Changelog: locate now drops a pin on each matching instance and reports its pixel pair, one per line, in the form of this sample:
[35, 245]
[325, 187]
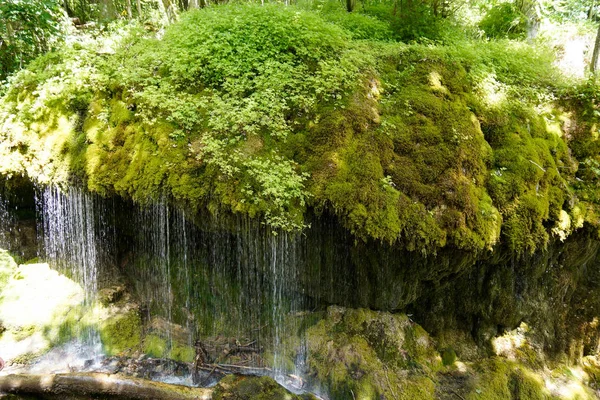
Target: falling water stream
[76, 239]
[198, 277]
[69, 235]
[6, 223]
[237, 279]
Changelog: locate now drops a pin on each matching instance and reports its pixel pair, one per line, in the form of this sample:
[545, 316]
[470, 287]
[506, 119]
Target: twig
[233, 368]
[457, 395]
[260, 328]
[537, 165]
[205, 380]
[243, 349]
[243, 367]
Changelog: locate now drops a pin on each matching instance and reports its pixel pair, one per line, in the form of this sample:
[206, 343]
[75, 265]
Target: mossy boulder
[7, 267]
[369, 354]
[121, 333]
[448, 356]
[234, 387]
[501, 379]
[35, 301]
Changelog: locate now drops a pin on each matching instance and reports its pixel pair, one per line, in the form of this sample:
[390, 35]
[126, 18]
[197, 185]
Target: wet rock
[368, 354]
[111, 295]
[235, 387]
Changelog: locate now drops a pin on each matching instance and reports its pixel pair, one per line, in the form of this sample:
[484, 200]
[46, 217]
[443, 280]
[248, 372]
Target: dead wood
[97, 384]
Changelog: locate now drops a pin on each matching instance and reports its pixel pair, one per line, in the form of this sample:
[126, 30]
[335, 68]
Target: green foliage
[28, 28]
[361, 26]
[504, 20]
[267, 111]
[240, 86]
[448, 356]
[412, 21]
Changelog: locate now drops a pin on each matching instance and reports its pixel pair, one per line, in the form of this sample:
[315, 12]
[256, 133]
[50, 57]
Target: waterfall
[153, 241]
[77, 235]
[69, 235]
[232, 279]
[6, 224]
[196, 277]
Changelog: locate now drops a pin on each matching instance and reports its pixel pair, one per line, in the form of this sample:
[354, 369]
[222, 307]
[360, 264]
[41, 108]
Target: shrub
[504, 21]
[28, 28]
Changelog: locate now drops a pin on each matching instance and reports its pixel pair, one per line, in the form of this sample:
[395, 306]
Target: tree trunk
[138, 3]
[86, 385]
[168, 10]
[594, 63]
[68, 9]
[129, 13]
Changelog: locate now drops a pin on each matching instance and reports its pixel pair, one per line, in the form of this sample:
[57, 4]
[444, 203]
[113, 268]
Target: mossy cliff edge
[456, 182]
[269, 111]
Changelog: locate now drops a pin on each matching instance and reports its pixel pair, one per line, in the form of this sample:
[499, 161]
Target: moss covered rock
[8, 267]
[35, 301]
[121, 333]
[368, 354]
[235, 387]
[428, 146]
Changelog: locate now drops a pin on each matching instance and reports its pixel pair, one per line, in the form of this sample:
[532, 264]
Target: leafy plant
[504, 21]
[28, 28]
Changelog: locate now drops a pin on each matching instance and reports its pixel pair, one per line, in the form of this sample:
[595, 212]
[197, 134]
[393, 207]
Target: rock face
[410, 182]
[368, 354]
[364, 354]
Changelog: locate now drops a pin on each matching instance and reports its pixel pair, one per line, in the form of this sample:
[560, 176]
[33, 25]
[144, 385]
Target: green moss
[501, 379]
[23, 332]
[252, 388]
[415, 387]
[426, 146]
[8, 267]
[25, 358]
[492, 381]
[155, 346]
[182, 353]
[121, 334]
[527, 355]
[448, 356]
[528, 386]
[368, 354]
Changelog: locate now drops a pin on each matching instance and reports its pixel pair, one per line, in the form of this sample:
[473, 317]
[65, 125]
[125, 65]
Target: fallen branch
[96, 384]
[243, 349]
[235, 369]
[207, 377]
